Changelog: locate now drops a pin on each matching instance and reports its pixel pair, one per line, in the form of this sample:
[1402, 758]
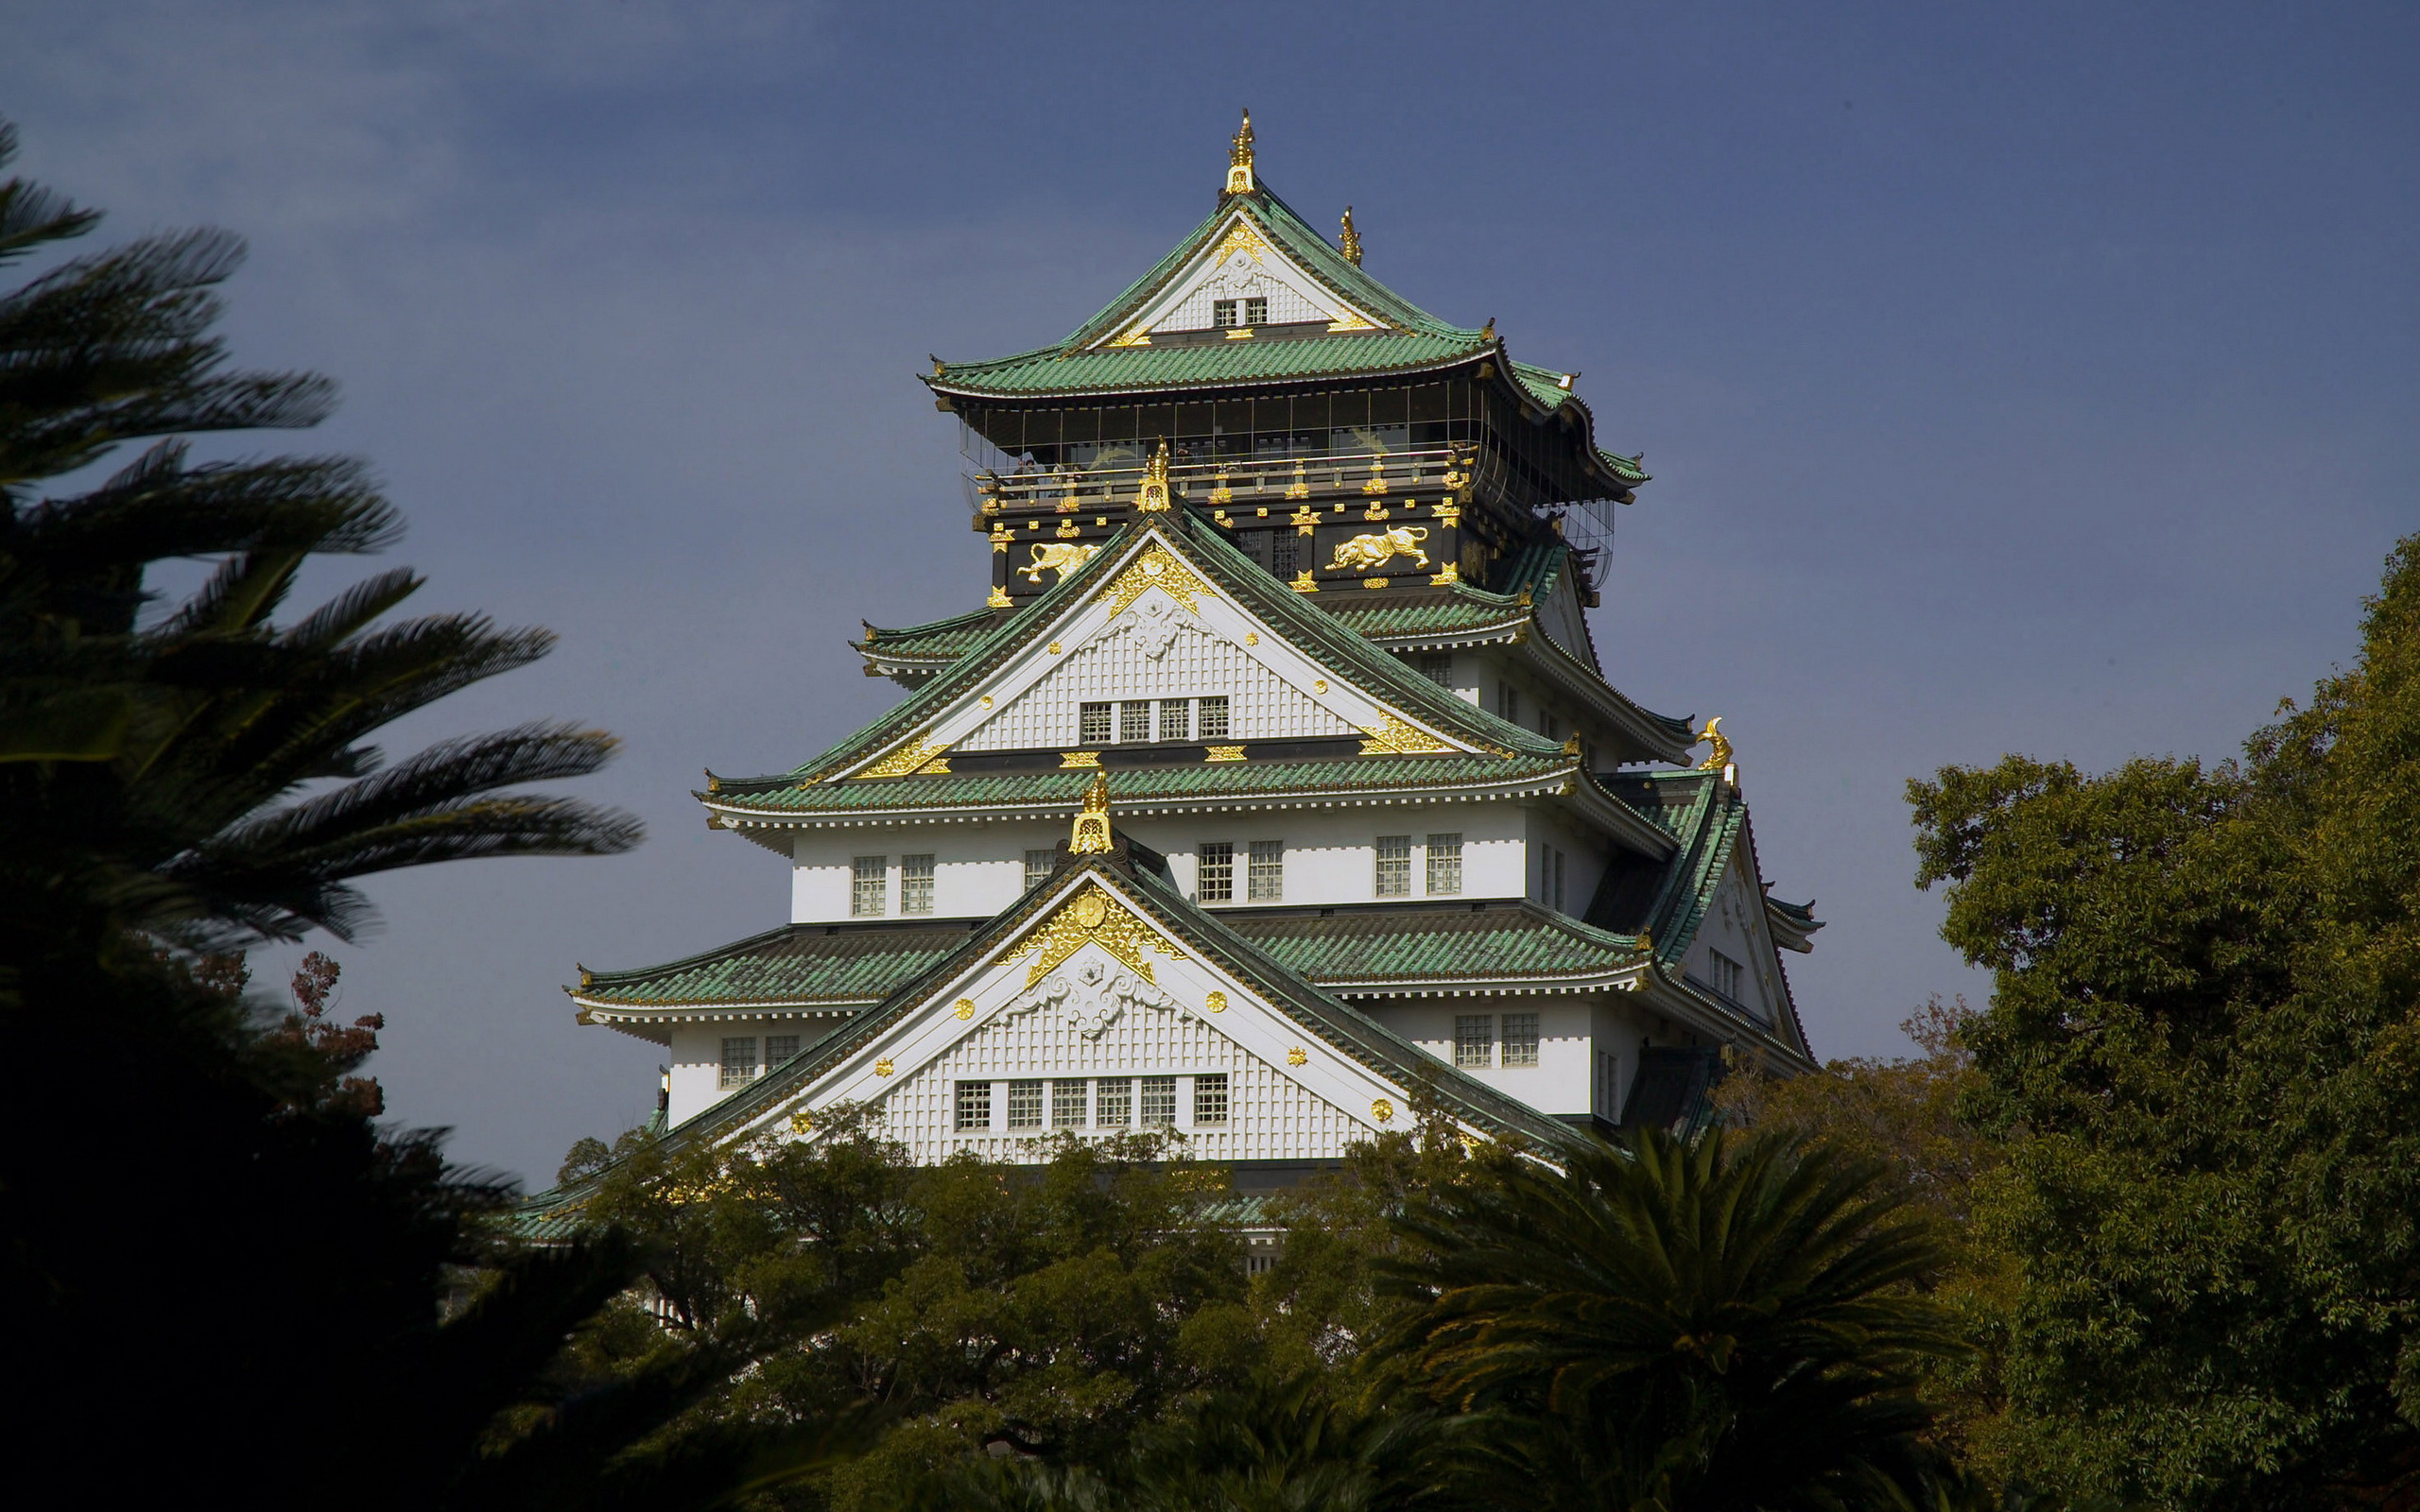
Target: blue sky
[2014, 378]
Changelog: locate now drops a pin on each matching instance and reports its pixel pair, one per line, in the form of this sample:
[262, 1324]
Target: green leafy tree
[2200, 1058]
[229, 1284]
[1659, 1325]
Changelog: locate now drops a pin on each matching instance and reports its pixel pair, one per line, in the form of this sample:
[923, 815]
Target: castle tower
[1275, 780]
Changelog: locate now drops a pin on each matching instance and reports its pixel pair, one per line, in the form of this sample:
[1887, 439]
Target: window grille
[1116, 1109]
[1025, 1105]
[778, 1048]
[1285, 555]
[1723, 975]
[1437, 667]
[738, 1062]
[1134, 721]
[1558, 882]
[1255, 312]
[1508, 702]
[1159, 1102]
[973, 1105]
[1210, 1099]
[1395, 866]
[1091, 725]
[915, 884]
[869, 880]
[1213, 722]
[1520, 1038]
[1222, 312]
[1214, 874]
[1067, 1102]
[1265, 879]
[1175, 719]
[1444, 865]
[1037, 868]
[1473, 1041]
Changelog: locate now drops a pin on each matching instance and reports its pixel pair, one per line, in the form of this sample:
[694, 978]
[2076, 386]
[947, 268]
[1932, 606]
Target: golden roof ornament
[1351, 239]
[1239, 179]
[1721, 756]
[1091, 835]
[1152, 497]
[1488, 332]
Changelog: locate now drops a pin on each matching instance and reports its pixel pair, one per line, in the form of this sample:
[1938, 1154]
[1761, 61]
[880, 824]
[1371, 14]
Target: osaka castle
[1273, 784]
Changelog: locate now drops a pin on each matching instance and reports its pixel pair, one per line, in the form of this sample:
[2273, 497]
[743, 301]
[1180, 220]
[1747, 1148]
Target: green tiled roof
[1424, 611]
[1499, 942]
[798, 963]
[1143, 785]
[940, 640]
[1053, 370]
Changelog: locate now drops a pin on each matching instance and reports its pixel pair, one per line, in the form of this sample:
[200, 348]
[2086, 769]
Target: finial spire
[1239, 179]
[1351, 239]
[1151, 495]
[1091, 835]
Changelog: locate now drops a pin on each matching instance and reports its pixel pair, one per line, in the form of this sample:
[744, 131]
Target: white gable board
[1158, 650]
[1242, 262]
[1736, 926]
[1092, 989]
[1153, 598]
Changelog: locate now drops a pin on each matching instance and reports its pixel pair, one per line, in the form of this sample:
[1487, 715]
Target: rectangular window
[1264, 880]
[738, 1062]
[1214, 874]
[1473, 1041]
[1117, 1107]
[1091, 725]
[1210, 1100]
[778, 1048]
[1508, 702]
[1285, 555]
[1025, 1105]
[1134, 721]
[1558, 882]
[1395, 866]
[973, 1105]
[1159, 1102]
[1255, 312]
[1037, 868]
[1222, 312]
[915, 884]
[1213, 723]
[1175, 719]
[1520, 1038]
[869, 885]
[1067, 1102]
[1437, 667]
[1725, 974]
[1444, 865]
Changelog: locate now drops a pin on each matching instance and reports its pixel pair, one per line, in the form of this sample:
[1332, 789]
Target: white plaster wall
[978, 869]
[1558, 1084]
[1583, 861]
[696, 1055]
[1736, 926]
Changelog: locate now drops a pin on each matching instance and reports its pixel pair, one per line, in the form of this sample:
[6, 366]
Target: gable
[1150, 620]
[1242, 261]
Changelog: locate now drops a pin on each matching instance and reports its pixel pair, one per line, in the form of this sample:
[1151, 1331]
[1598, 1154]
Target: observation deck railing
[1269, 478]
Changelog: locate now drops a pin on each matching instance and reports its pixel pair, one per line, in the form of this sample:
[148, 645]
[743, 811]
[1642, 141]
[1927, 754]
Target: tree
[2201, 1057]
[1659, 1325]
[229, 1284]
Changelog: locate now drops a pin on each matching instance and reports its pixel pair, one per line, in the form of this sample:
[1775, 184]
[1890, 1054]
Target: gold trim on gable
[1093, 916]
[1156, 568]
[907, 758]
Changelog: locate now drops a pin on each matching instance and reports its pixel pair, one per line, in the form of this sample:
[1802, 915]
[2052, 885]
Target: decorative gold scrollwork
[1394, 736]
[1156, 568]
[907, 758]
[1093, 916]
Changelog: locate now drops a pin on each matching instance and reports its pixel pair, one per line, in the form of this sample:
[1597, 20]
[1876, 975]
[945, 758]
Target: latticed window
[1091, 725]
[1067, 1102]
[779, 1047]
[1264, 880]
[1210, 1099]
[1444, 865]
[973, 1105]
[1037, 868]
[1395, 866]
[1222, 312]
[1159, 1102]
[1175, 719]
[1215, 873]
[869, 880]
[1134, 719]
[1255, 312]
[1473, 1041]
[1437, 667]
[1520, 1038]
[1025, 1105]
[1116, 1109]
[1508, 702]
[1213, 723]
[738, 1061]
[1723, 975]
[1285, 555]
[915, 884]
